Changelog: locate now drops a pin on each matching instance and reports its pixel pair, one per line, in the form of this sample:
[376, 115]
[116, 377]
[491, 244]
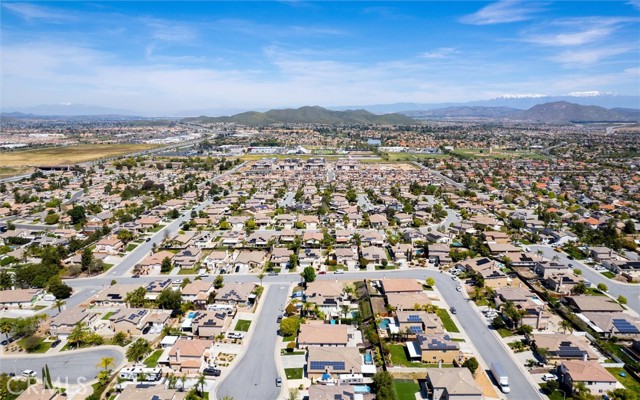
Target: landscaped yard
[399, 357]
[188, 271]
[108, 315]
[627, 380]
[41, 347]
[406, 389]
[448, 323]
[152, 360]
[131, 246]
[504, 332]
[609, 274]
[293, 373]
[388, 267]
[289, 338]
[243, 325]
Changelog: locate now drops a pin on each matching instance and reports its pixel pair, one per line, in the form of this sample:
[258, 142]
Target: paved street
[69, 366]
[253, 378]
[630, 291]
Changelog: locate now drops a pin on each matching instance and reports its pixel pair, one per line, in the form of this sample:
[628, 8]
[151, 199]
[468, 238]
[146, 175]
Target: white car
[29, 373]
[235, 335]
[549, 377]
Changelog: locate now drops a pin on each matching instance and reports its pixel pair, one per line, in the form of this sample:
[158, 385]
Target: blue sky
[164, 56]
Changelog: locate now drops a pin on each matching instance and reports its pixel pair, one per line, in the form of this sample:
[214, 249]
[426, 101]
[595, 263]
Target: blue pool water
[191, 314]
[333, 322]
[367, 358]
[384, 324]
[362, 389]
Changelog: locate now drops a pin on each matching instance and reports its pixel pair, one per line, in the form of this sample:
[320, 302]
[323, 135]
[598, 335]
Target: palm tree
[6, 326]
[106, 363]
[59, 303]
[566, 326]
[183, 379]
[200, 383]
[539, 253]
[138, 350]
[261, 277]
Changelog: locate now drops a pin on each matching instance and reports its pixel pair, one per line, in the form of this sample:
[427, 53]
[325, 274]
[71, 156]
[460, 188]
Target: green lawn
[157, 228]
[406, 389]
[448, 323]
[188, 271]
[152, 360]
[399, 357]
[388, 267]
[293, 373]
[40, 348]
[243, 325]
[108, 315]
[627, 380]
[504, 332]
[289, 338]
[609, 274]
[284, 352]
[131, 246]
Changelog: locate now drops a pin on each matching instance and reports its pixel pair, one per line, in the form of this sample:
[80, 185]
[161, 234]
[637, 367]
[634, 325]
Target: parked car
[29, 373]
[322, 272]
[279, 318]
[235, 335]
[211, 372]
[453, 310]
[339, 271]
[56, 342]
[549, 377]
[135, 276]
[278, 381]
[148, 239]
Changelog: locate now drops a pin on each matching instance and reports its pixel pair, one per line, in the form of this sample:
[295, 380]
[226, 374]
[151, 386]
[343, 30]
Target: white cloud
[443, 52]
[575, 31]
[32, 12]
[587, 57]
[635, 4]
[502, 12]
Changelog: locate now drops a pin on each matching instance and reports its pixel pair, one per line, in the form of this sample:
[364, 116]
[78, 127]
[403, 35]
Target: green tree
[78, 335]
[308, 274]
[51, 219]
[622, 299]
[106, 363]
[136, 298]
[77, 214]
[125, 235]
[6, 326]
[430, 282]
[383, 383]
[472, 364]
[602, 287]
[289, 326]
[166, 265]
[580, 288]
[60, 290]
[59, 303]
[138, 350]
[293, 394]
[86, 259]
[169, 300]
[218, 282]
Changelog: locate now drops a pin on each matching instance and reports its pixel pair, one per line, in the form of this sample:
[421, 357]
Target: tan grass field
[68, 155]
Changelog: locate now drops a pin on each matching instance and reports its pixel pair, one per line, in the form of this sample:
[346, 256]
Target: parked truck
[501, 377]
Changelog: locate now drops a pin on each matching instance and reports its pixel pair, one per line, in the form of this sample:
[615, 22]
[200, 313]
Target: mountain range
[308, 114]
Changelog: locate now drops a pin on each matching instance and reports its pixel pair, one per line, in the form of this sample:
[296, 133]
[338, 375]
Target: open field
[497, 154]
[67, 154]
[413, 156]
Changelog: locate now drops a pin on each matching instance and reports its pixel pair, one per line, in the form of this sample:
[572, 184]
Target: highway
[254, 376]
[630, 291]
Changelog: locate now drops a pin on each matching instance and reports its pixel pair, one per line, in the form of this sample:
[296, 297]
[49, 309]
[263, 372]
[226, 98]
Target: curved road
[72, 366]
[254, 376]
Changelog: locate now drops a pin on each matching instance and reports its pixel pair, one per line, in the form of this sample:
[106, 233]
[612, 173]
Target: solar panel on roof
[415, 329]
[624, 326]
[319, 365]
[414, 318]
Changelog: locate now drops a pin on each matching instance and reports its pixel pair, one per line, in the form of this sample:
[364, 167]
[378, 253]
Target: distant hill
[316, 115]
[464, 112]
[565, 112]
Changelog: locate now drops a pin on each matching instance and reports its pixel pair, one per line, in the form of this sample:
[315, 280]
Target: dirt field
[67, 155]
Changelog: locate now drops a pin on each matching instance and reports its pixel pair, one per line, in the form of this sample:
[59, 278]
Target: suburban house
[217, 259]
[208, 324]
[62, 324]
[235, 293]
[334, 362]
[187, 258]
[489, 270]
[308, 257]
[197, 291]
[153, 263]
[374, 255]
[595, 377]
[347, 256]
[187, 356]
[619, 324]
[523, 299]
[325, 295]
[408, 301]
[564, 346]
[418, 322]
[592, 303]
[451, 384]
[113, 295]
[109, 245]
[247, 260]
[19, 298]
[434, 348]
[280, 257]
[400, 285]
[313, 334]
[337, 392]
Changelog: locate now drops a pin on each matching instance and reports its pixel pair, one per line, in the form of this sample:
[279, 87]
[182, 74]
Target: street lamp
[564, 395]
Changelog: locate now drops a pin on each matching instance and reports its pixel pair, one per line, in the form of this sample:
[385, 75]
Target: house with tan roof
[152, 264]
[335, 361]
[434, 348]
[322, 335]
[451, 384]
[562, 346]
[109, 245]
[594, 376]
[400, 285]
[197, 291]
[63, 323]
[592, 303]
[19, 297]
[337, 392]
[113, 295]
[408, 301]
[235, 293]
[187, 356]
[326, 295]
